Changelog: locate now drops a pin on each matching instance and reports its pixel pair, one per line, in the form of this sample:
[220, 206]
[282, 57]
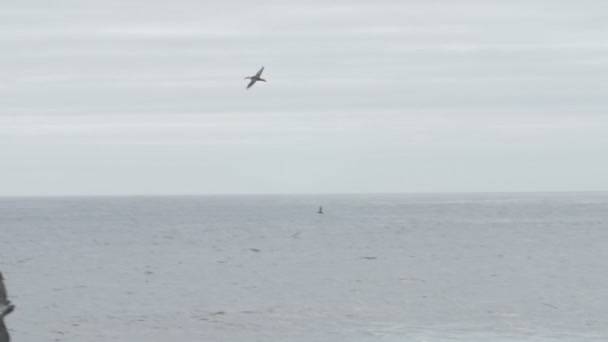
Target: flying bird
[255, 78]
[5, 308]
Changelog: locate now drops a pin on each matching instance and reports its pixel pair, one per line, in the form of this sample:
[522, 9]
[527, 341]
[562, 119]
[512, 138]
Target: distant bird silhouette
[320, 210]
[255, 78]
[5, 308]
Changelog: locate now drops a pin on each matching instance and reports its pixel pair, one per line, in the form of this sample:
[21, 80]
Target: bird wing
[259, 72]
[3, 296]
[251, 83]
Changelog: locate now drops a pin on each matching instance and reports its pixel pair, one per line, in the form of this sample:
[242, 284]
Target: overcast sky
[148, 97]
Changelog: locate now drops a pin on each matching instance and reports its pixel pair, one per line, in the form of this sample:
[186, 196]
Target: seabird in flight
[255, 78]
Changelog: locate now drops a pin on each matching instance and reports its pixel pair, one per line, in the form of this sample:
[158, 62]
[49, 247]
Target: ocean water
[412, 267]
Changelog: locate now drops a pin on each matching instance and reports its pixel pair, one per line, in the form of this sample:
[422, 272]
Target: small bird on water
[5, 308]
[320, 210]
[255, 78]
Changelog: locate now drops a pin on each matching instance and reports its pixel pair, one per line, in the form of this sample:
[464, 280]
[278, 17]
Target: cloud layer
[395, 96]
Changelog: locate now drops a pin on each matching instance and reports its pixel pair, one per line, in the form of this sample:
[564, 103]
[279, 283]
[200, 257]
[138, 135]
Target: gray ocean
[403, 267]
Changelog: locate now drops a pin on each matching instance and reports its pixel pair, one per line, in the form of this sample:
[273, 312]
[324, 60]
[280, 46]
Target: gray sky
[148, 96]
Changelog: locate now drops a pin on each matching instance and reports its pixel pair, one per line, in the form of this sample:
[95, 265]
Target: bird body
[255, 78]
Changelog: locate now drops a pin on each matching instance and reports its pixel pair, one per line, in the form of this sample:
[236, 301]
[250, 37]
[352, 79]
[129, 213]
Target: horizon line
[303, 194]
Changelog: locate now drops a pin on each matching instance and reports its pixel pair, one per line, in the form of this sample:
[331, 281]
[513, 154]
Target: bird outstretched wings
[255, 78]
[259, 72]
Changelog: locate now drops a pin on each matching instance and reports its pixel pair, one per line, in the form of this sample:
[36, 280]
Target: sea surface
[411, 267]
